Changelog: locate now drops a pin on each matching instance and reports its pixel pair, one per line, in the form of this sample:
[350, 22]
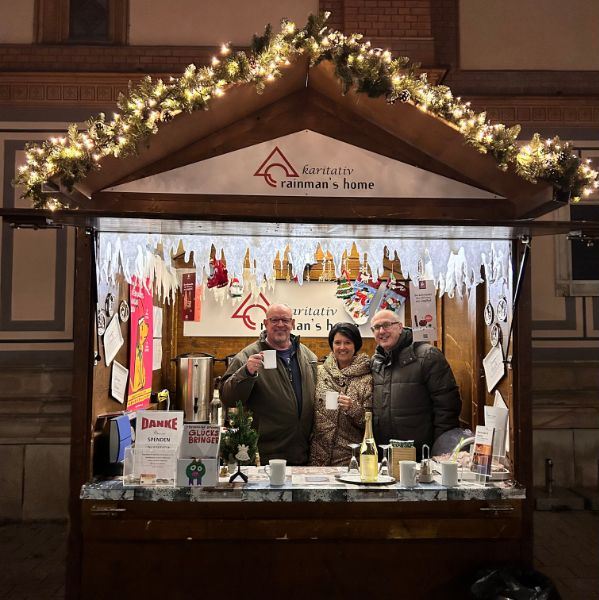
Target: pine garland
[358, 66]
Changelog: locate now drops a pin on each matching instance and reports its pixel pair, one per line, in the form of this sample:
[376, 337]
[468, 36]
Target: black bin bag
[512, 583]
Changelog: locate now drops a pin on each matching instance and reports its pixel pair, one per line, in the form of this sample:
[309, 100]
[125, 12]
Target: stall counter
[303, 484]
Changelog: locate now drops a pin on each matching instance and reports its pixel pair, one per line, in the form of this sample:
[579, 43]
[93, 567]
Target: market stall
[296, 186]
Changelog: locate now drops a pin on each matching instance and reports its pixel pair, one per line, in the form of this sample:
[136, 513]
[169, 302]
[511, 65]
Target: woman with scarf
[347, 372]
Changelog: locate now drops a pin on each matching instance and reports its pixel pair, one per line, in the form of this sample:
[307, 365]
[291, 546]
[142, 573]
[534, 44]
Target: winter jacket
[335, 429]
[415, 393]
[270, 397]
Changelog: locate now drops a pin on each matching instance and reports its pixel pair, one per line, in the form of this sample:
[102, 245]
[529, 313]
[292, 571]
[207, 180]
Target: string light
[371, 70]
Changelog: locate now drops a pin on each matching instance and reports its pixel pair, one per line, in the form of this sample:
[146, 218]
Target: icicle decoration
[453, 264]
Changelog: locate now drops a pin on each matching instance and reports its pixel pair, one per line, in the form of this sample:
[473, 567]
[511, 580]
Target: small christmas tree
[344, 287]
[240, 432]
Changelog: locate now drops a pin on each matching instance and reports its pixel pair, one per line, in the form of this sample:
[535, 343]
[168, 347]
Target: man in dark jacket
[415, 393]
[281, 399]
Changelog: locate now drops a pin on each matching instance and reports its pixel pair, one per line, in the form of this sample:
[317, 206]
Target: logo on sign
[247, 306]
[166, 423]
[275, 160]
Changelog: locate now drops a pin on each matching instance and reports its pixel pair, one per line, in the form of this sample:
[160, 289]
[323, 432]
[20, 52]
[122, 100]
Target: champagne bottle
[369, 464]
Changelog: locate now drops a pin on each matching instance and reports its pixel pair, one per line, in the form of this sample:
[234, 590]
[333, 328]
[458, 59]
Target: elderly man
[281, 399]
[415, 393]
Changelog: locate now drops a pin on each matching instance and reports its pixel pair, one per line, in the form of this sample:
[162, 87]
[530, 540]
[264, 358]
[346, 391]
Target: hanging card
[494, 367]
[118, 382]
[113, 339]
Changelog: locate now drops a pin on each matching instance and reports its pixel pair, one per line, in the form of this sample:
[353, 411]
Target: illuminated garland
[368, 70]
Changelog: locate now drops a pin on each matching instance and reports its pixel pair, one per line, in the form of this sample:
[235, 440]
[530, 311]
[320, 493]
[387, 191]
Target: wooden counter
[302, 540]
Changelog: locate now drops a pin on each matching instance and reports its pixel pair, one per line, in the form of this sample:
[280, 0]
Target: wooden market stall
[131, 544]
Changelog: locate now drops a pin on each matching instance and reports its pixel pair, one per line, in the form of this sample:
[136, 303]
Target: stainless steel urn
[195, 386]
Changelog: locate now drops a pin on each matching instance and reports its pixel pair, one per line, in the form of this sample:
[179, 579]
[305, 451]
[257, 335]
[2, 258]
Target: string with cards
[394, 294]
[364, 290]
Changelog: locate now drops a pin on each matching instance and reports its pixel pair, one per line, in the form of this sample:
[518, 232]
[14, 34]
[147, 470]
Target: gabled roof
[310, 98]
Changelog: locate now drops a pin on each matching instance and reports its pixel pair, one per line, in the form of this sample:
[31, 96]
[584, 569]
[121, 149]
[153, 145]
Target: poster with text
[423, 306]
[140, 346]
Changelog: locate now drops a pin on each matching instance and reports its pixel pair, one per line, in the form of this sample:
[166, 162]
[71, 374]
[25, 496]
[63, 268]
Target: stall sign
[304, 163]
[140, 345]
[157, 441]
[200, 440]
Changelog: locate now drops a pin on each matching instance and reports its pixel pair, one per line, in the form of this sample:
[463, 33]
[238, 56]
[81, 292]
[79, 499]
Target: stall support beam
[522, 405]
[83, 361]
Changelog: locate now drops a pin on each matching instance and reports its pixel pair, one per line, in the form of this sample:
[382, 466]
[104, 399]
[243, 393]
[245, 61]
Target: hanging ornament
[345, 289]
[109, 305]
[358, 306]
[124, 311]
[218, 274]
[102, 321]
[235, 288]
[489, 313]
[404, 96]
[502, 309]
[495, 334]
[394, 295]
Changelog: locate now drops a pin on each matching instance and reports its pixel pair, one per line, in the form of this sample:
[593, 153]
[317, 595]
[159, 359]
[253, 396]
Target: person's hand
[344, 402]
[255, 362]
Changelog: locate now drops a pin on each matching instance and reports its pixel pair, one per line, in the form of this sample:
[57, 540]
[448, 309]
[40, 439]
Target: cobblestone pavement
[32, 561]
[566, 549]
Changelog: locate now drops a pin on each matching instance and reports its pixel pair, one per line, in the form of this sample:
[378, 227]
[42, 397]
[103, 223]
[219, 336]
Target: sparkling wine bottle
[368, 453]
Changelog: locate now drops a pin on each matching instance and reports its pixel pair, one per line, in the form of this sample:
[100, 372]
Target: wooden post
[83, 361]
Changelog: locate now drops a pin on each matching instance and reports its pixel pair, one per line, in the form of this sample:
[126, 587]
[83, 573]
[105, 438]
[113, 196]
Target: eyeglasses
[283, 320]
[386, 325]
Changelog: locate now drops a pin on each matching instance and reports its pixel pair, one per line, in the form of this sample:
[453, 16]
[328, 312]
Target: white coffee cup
[449, 474]
[331, 400]
[407, 473]
[276, 469]
[270, 359]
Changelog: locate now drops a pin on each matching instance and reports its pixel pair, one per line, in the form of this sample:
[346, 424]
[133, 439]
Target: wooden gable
[311, 98]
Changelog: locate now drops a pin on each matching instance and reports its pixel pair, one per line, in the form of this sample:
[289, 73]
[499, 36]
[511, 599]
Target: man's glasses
[283, 320]
[385, 326]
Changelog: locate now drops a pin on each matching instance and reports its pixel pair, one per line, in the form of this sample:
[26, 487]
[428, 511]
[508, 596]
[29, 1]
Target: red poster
[188, 296]
[140, 346]
[197, 309]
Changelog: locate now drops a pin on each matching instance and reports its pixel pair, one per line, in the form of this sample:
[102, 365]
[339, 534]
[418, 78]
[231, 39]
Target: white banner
[315, 309]
[304, 163]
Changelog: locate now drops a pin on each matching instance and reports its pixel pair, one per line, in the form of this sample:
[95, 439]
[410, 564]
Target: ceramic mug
[270, 359]
[276, 470]
[407, 473]
[449, 474]
[331, 400]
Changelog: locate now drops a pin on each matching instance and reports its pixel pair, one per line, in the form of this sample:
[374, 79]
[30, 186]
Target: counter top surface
[303, 484]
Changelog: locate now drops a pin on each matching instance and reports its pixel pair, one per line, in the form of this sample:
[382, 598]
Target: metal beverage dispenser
[195, 386]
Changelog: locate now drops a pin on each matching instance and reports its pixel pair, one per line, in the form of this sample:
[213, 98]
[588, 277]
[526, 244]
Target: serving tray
[355, 479]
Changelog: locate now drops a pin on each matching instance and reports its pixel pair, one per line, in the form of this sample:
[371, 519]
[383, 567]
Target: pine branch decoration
[371, 71]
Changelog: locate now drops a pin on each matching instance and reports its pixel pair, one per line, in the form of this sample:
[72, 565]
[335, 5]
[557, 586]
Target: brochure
[496, 417]
[483, 450]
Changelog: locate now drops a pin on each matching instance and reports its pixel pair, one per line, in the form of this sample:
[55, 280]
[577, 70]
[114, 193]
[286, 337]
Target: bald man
[281, 399]
[415, 393]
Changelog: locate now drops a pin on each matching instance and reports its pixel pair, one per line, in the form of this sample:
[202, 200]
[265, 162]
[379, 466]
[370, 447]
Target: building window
[89, 20]
[82, 21]
[577, 261]
[585, 254]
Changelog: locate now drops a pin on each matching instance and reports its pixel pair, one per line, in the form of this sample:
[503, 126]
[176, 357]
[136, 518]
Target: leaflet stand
[138, 473]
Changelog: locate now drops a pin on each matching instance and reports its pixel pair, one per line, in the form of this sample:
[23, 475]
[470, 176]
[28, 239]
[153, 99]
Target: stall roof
[310, 98]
